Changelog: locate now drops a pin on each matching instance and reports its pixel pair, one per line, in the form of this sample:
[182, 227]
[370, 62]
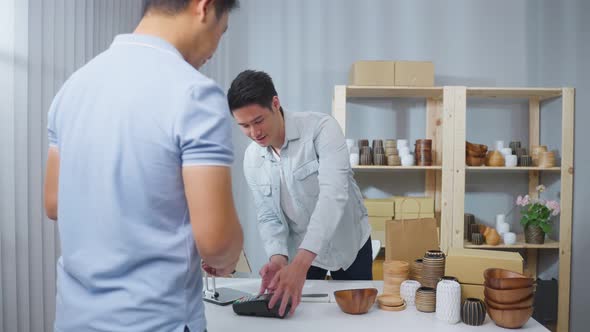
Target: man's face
[261, 124]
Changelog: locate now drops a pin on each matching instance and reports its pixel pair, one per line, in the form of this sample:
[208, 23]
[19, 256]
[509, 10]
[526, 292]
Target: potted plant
[536, 216]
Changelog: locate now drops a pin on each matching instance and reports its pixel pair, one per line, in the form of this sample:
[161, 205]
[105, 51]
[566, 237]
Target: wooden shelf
[520, 244]
[393, 168]
[356, 91]
[512, 169]
[491, 92]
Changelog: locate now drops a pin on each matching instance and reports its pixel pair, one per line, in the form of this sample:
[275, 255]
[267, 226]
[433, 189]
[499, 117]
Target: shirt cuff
[276, 248]
[313, 243]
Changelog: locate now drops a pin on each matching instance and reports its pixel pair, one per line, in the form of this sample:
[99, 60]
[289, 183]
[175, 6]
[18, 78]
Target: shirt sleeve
[52, 133]
[334, 168]
[203, 128]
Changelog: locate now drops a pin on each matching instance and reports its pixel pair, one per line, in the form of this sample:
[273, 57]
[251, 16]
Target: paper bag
[409, 239]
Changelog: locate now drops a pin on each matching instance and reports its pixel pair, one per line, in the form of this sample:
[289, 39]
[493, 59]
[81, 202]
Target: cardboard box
[414, 73]
[378, 228]
[409, 207]
[468, 265]
[383, 207]
[468, 290]
[372, 73]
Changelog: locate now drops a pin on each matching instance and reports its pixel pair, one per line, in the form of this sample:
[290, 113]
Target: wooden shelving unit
[520, 244]
[438, 111]
[446, 109]
[364, 168]
[535, 97]
[511, 169]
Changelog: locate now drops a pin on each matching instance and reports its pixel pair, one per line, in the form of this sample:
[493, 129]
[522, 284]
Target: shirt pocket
[306, 177]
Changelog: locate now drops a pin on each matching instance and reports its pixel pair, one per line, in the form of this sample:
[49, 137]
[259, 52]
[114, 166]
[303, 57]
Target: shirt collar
[291, 133]
[150, 41]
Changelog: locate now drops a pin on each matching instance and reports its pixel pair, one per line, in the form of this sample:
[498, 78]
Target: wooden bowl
[470, 153]
[511, 319]
[507, 296]
[506, 279]
[356, 301]
[475, 161]
[477, 148]
[528, 302]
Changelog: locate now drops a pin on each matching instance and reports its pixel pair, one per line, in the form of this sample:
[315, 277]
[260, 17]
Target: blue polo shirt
[125, 124]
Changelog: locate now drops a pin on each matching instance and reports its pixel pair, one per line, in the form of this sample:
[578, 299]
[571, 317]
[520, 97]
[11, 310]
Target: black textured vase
[534, 234]
[473, 312]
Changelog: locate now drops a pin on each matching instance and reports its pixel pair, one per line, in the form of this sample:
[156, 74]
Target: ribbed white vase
[448, 301]
[408, 290]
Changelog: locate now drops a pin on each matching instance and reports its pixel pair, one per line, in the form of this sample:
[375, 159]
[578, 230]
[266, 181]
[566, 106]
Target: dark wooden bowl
[356, 301]
[511, 319]
[506, 279]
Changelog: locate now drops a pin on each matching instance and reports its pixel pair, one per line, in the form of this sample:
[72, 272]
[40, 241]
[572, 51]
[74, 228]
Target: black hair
[251, 87]
[172, 7]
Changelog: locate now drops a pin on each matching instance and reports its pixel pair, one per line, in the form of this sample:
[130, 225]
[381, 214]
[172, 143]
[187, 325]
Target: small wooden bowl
[511, 319]
[356, 301]
[507, 296]
[505, 279]
[476, 147]
[475, 161]
[528, 302]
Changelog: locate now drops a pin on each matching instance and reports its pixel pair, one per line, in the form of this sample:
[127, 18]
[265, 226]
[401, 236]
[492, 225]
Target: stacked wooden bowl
[546, 159]
[536, 152]
[423, 152]
[392, 154]
[475, 154]
[394, 273]
[379, 158]
[509, 297]
[495, 159]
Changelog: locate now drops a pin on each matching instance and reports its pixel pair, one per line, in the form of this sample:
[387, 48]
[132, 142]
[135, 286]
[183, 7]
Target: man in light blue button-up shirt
[310, 209]
[138, 177]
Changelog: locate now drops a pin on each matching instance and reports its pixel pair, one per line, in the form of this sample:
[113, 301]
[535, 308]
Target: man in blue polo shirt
[138, 176]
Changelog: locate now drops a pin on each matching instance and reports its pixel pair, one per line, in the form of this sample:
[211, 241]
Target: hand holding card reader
[257, 305]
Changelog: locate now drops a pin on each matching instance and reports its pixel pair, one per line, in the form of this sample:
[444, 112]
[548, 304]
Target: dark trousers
[361, 268]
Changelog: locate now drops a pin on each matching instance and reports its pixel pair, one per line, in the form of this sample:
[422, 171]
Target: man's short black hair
[172, 7]
[251, 87]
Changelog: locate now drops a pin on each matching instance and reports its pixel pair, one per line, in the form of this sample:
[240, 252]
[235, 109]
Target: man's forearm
[304, 258]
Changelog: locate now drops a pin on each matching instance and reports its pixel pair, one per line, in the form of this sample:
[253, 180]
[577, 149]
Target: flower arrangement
[537, 212]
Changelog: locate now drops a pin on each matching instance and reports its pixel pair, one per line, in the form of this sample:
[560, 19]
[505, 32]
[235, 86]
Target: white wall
[41, 43]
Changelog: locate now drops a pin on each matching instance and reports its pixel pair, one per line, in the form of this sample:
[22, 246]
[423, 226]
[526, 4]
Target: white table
[311, 317]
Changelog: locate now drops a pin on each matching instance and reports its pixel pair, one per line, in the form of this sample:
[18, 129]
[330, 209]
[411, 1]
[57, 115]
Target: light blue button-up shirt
[332, 219]
[125, 125]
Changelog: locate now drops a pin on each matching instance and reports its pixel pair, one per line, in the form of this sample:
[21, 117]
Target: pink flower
[553, 206]
[523, 201]
[526, 200]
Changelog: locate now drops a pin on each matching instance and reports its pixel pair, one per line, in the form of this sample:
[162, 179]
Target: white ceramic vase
[408, 290]
[448, 301]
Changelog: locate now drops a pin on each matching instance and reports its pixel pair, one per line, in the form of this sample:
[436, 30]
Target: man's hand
[288, 282]
[269, 270]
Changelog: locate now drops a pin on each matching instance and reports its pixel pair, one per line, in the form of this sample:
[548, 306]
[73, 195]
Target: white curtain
[42, 42]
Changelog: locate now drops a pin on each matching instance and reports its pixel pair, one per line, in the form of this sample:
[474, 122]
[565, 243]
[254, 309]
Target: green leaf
[546, 228]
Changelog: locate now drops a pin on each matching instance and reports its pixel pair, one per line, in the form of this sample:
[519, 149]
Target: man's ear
[276, 103]
[201, 8]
